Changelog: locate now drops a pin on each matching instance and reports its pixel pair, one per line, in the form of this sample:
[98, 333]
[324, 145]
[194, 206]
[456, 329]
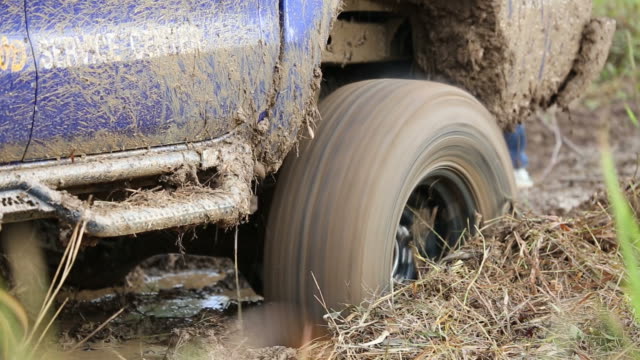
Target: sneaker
[523, 180]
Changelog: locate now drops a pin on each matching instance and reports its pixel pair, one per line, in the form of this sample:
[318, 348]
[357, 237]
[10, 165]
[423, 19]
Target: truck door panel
[125, 74]
[17, 81]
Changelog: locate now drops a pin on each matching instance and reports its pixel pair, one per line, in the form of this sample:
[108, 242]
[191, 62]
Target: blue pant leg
[517, 144]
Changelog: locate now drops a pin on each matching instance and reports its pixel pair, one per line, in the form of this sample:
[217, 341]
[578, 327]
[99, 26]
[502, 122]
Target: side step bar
[33, 191]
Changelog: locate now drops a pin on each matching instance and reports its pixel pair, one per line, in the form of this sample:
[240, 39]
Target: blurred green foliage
[627, 229]
[13, 326]
[625, 52]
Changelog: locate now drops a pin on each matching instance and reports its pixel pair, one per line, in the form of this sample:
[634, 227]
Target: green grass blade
[632, 56]
[631, 114]
[627, 229]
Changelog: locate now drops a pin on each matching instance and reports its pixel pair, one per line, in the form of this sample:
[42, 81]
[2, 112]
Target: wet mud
[162, 298]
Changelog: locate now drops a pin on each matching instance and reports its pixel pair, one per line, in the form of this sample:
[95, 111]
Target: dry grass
[32, 336]
[530, 287]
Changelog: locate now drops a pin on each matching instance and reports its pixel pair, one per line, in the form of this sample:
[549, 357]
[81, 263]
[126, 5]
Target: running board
[23, 198]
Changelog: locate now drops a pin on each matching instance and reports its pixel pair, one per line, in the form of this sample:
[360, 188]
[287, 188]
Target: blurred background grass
[622, 66]
[622, 75]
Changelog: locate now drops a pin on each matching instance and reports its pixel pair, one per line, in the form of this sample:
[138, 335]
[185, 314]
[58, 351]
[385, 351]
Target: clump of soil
[531, 287]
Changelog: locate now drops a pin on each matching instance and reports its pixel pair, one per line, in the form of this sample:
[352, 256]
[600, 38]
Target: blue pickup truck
[389, 113]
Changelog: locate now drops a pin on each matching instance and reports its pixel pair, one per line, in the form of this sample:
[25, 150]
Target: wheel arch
[515, 56]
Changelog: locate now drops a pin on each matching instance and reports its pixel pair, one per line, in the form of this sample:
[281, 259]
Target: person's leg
[513, 144]
[517, 144]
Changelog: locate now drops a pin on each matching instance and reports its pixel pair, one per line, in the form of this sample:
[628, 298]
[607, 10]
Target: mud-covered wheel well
[515, 57]
[369, 40]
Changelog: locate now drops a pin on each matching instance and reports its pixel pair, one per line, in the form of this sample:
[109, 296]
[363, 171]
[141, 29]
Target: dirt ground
[170, 302]
[563, 184]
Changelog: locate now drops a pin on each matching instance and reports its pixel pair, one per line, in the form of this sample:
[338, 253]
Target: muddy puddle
[132, 349]
[161, 297]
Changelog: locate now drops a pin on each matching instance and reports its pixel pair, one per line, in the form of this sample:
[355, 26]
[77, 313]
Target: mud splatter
[513, 55]
[594, 50]
[121, 74]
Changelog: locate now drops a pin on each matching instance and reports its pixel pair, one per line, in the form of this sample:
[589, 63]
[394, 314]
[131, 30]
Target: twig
[461, 255]
[235, 260]
[320, 298]
[391, 295]
[569, 142]
[485, 255]
[110, 319]
[575, 148]
[64, 268]
[371, 343]
[46, 329]
[426, 223]
[556, 149]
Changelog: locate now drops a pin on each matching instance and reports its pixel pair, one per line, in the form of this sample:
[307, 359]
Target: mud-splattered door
[125, 74]
[17, 81]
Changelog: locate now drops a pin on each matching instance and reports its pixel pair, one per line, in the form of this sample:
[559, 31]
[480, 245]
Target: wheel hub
[439, 213]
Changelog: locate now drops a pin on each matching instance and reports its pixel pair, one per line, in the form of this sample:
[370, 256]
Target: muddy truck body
[391, 113]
